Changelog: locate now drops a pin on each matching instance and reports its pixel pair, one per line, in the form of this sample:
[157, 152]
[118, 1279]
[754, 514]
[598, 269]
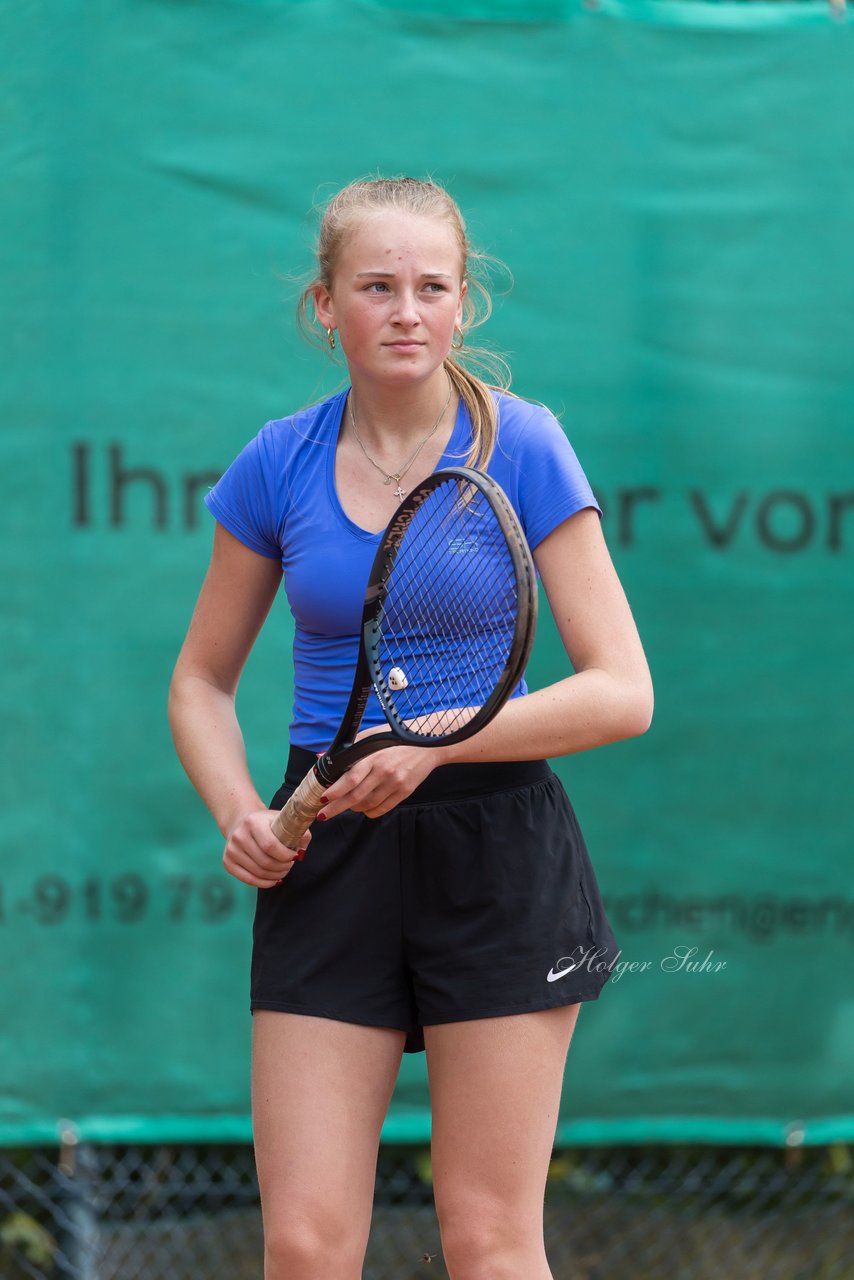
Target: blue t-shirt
[279, 498]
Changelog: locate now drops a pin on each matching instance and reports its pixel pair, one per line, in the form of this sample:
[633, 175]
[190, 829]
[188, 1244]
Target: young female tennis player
[446, 901]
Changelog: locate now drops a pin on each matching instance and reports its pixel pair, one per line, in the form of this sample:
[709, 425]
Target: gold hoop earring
[330, 338]
[458, 346]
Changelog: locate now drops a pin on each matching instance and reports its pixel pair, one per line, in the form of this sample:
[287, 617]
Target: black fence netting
[641, 1213]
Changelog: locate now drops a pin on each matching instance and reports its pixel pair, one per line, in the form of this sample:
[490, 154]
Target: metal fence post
[78, 1181]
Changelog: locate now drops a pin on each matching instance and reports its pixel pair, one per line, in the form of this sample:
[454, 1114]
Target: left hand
[376, 784]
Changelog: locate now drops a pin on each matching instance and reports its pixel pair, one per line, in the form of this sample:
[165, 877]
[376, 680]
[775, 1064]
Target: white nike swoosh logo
[554, 974]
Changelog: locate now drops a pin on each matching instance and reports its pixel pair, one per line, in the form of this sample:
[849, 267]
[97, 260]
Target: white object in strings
[397, 679]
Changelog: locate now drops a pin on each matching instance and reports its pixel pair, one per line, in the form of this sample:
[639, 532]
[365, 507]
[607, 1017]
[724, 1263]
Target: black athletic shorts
[473, 898]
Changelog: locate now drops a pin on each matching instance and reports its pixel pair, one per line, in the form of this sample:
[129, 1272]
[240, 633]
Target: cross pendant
[398, 493]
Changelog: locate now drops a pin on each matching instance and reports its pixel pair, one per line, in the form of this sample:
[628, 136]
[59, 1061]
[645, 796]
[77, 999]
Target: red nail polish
[321, 817]
[324, 799]
[300, 855]
[278, 882]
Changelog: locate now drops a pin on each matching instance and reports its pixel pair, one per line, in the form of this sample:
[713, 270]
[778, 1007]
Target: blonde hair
[427, 198]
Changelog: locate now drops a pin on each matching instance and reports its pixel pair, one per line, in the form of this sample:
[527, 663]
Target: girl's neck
[394, 417]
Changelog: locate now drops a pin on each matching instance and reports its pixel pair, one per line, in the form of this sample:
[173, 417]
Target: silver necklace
[398, 475]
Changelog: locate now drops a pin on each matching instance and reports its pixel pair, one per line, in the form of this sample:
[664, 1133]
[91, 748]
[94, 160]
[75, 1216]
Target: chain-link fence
[650, 1213]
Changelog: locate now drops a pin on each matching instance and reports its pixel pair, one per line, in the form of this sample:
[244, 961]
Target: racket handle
[300, 811]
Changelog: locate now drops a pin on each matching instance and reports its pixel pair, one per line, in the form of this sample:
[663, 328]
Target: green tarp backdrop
[670, 184]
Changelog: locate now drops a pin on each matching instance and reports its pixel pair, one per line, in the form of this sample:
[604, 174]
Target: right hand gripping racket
[448, 623]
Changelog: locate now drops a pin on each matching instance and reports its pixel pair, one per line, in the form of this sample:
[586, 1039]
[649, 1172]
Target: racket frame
[344, 751]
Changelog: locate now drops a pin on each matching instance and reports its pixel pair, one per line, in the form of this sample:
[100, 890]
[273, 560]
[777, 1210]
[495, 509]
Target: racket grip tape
[300, 811]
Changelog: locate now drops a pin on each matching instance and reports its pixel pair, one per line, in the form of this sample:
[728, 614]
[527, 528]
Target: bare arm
[235, 599]
[610, 695]
[608, 698]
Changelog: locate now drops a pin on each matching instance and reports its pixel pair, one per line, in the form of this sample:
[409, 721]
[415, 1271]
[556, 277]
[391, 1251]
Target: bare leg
[320, 1093]
[495, 1086]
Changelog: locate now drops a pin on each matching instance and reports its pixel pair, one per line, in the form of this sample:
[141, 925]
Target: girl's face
[396, 296]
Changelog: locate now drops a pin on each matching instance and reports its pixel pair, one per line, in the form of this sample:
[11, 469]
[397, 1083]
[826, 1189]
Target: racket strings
[469, 615]
[449, 616]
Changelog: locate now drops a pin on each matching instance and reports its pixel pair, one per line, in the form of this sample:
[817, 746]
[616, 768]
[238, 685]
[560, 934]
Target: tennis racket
[447, 627]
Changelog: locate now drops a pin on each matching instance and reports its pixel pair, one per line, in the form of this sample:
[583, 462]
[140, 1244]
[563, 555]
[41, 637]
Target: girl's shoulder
[536, 465]
[524, 424]
[313, 424]
[255, 495]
